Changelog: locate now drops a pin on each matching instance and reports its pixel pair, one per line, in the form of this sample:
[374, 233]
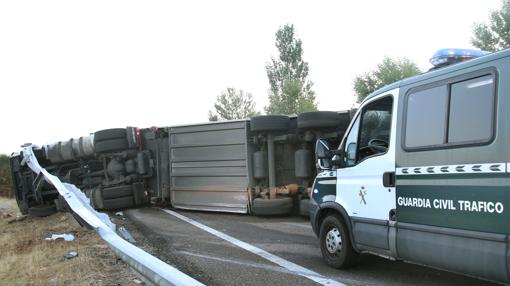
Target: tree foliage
[290, 91]
[233, 104]
[4, 162]
[388, 71]
[5, 176]
[495, 35]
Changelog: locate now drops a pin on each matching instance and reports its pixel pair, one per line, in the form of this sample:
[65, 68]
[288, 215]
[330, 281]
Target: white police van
[422, 173]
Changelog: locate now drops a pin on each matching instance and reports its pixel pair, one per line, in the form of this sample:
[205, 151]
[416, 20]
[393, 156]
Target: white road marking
[292, 267]
[269, 267]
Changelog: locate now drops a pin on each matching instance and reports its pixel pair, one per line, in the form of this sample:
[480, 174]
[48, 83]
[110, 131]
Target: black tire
[269, 123]
[109, 134]
[277, 206]
[117, 192]
[42, 210]
[318, 120]
[304, 207]
[111, 145]
[333, 227]
[119, 203]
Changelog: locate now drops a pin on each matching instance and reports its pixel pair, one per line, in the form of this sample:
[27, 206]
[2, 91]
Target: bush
[5, 177]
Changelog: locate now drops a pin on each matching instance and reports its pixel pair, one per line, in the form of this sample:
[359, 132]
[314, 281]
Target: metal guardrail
[152, 268]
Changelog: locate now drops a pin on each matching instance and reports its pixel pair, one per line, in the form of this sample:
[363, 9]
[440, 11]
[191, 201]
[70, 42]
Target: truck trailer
[264, 165]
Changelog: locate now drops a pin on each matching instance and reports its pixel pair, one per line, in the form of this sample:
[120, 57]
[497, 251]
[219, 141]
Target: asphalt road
[215, 261]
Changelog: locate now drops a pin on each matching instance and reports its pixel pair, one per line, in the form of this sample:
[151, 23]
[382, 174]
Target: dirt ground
[26, 258]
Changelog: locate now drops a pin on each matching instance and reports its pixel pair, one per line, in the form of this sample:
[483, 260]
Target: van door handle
[388, 179]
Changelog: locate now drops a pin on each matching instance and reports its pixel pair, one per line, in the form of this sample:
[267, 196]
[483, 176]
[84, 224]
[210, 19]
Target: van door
[365, 183]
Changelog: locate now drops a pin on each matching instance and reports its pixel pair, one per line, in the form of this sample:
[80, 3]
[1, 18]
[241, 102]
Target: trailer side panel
[209, 167]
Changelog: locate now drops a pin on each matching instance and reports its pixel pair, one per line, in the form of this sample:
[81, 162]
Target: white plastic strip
[149, 266]
[292, 267]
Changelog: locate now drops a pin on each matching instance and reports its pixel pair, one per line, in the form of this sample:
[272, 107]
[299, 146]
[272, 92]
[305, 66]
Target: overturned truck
[264, 165]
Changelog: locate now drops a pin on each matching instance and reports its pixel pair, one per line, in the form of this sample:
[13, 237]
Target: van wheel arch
[332, 208]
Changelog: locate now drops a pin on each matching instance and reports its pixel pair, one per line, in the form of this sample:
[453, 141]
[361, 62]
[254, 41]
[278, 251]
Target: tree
[233, 104]
[5, 176]
[290, 91]
[4, 162]
[388, 71]
[495, 35]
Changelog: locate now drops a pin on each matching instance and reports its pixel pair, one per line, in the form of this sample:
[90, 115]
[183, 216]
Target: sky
[69, 68]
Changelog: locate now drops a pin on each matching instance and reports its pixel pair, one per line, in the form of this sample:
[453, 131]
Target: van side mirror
[322, 155]
[350, 157]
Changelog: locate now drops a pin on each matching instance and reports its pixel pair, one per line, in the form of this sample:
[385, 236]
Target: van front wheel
[335, 243]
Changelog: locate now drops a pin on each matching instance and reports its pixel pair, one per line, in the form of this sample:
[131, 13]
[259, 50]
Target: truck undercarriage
[264, 165]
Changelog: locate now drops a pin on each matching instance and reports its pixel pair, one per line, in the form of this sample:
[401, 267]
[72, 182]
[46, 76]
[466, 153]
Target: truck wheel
[117, 192]
[335, 243]
[277, 206]
[111, 145]
[42, 210]
[303, 207]
[269, 123]
[318, 120]
[119, 203]
[108, 134]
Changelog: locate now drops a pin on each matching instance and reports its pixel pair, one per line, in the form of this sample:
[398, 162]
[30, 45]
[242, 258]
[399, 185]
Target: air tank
[66, 150]
[70, 150]
[53, 152]
[303, 163]
[260, 170]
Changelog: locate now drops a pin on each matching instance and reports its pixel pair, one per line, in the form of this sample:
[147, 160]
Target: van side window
[451, 114]
[370, 133]
[426, 117]
[471, 110]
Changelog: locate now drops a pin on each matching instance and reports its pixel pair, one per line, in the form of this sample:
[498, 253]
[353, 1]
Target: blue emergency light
[445, 57]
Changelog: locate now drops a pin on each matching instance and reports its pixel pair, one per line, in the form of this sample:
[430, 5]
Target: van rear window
[471, 110]
[452, 114]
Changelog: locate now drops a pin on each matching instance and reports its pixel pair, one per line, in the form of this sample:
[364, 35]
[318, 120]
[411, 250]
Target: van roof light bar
[446, 57]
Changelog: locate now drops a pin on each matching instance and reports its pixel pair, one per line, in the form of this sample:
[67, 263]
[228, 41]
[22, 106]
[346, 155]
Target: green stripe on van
[324, 190]
[469, 207]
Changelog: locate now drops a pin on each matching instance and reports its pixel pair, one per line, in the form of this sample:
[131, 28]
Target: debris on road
[126, 235]
[19, 217]
[65, 236]
[71, 254]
